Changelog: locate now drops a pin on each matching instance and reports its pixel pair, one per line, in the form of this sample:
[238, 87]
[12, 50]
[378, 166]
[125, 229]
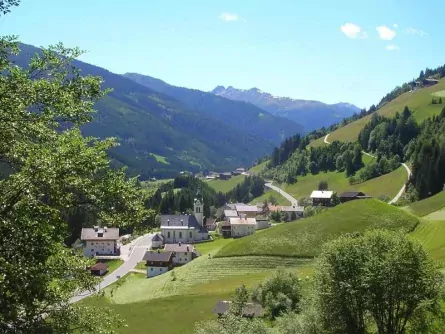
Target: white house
[322, 197]
[241, 227]
[185, 228]
[158, 262]
[157, 241]
[182, 253]
[100, 241]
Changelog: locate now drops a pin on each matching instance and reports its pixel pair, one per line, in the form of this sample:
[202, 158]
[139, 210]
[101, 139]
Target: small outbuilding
[250, 310]
[99, 269]
[157, 241]
[352, 195]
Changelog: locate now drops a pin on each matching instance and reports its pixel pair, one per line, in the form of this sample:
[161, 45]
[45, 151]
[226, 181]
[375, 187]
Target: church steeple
[198, 207]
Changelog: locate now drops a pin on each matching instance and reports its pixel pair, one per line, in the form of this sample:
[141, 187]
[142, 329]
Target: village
[174, 244]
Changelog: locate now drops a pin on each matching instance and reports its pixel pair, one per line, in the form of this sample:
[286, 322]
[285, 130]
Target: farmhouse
[352, 195]
[158, 262]
[226, 229]
[225, 176]
[100, 241]
[185, 228]
[250, 310]
[322, 197]
[249, 211]
[182, 253]
[262, 222]
[99, 269]
[241, 227]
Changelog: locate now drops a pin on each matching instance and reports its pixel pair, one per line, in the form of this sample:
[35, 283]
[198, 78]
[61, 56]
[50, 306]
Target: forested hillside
[244, 117]
[160, 136]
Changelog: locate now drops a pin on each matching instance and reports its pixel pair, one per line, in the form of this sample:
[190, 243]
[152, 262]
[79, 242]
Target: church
[185, 228]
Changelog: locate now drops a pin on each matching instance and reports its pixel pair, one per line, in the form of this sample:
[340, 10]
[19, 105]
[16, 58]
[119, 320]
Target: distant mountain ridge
[311, 114]
[240, 115]
[159, 135]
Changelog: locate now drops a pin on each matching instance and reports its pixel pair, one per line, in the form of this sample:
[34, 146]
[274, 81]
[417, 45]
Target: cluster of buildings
[226, 175]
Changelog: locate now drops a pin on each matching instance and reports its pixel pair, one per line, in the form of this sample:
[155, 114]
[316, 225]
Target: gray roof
[180, 220]
[179, 248]
[157, 256]
[230, 213]
[351, 194]
[249, 309]
[157, 237]
[100, 233]
[246, 208]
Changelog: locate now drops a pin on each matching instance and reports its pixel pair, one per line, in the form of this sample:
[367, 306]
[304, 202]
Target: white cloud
[228, 17]
[385, 33]
[392, 47]
[395, 25]
[353, 31]
[417, 32]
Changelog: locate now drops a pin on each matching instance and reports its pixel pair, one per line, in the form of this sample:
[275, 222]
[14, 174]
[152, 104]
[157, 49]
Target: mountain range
[311, 114]
[162, 134]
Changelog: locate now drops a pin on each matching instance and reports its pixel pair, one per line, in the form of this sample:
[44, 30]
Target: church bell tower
[198, 207]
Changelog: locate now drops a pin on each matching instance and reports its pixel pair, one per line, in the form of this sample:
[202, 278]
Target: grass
[430, 235]
[428, 205]
[437, 215]
[258, 168]
[225, 186]
[388, 184]
[440, 93]
[419, 102]
[305, 237]
[281, 200]
[112, 265]
[159, 158]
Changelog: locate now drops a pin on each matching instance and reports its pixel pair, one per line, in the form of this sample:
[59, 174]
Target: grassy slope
[428, 205]
[430, 235]
[388, 184]
[281, 200]
[191, 296]
[305, 237]
[258, 168]
[225, 186]
[419, 102]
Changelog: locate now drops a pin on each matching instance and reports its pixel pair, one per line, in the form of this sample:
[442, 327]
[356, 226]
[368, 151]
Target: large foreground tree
[49, 171]
[381, 281]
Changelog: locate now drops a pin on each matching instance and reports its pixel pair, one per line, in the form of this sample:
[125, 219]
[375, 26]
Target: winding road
[136, 254]
[282, 192]
[408, 171]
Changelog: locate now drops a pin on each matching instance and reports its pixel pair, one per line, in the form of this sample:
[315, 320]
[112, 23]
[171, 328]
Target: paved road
[282, 192]
[136, 255]
[400, 193]
[402, 190]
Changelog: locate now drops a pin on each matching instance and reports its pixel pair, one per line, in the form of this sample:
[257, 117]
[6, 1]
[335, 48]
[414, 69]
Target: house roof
[230, 213]
[188, 221]
[157, 237]
[249, 309]
[157, 256]
[322, 194]
[242, 221]
[179, 247]
[351, 194]
[246, 208]
[283, 208]
[210, 221]
[99, 266]
[100, 233]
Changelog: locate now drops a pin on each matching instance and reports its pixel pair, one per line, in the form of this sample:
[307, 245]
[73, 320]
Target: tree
[231, 324]
[279, 294]
[53, 170]
[381, 279]
[323, 185]
[239, 300]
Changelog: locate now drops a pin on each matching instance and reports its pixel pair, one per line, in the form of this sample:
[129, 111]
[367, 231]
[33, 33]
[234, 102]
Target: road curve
[402, 190]
[282, 192]
[136, 255]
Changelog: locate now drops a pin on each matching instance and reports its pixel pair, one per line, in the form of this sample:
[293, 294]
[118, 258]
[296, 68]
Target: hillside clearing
[268, 194]
[305, 237]
[428, 205]
[258, 168]
[419, 102]
[159, 158]
[225, 186]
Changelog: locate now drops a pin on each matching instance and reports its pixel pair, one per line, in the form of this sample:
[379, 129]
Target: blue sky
[332, 51]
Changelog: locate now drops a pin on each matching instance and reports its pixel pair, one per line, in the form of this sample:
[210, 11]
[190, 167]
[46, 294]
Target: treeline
[178, 195]
[388, 137]
[337, 156]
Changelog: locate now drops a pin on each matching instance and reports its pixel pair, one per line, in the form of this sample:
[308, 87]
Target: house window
[168, 235]
[180, 234]
[191, 234]
[92, 249]
[151, 269]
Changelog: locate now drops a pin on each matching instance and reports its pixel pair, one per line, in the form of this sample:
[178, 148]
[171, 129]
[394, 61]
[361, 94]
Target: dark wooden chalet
[352, 195]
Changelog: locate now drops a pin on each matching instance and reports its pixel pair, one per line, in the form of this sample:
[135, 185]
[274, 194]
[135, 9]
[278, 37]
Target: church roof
[189, 221]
